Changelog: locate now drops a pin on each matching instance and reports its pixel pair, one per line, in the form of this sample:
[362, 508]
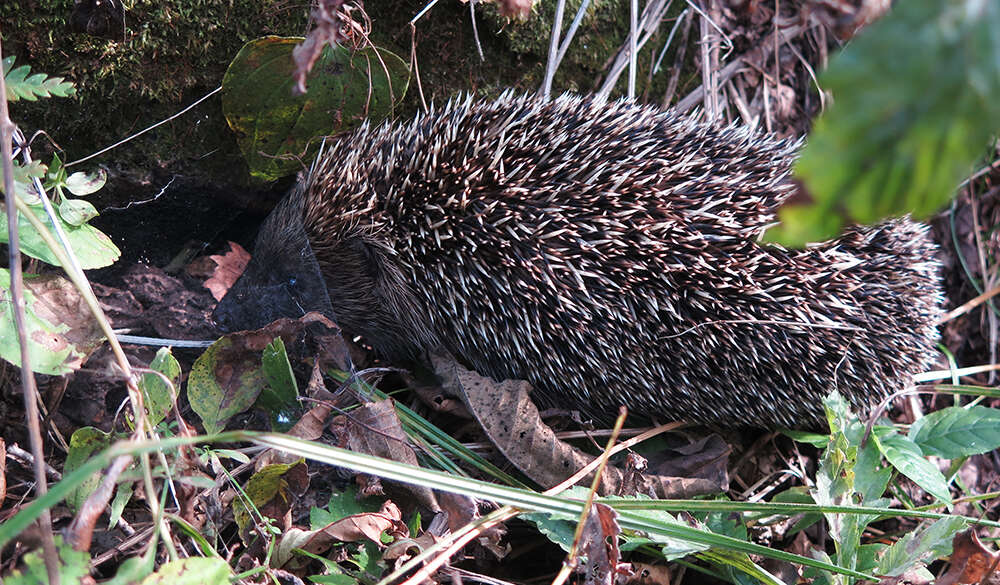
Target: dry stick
[633, 33]
[550, 67]
[675, 69]
[28, 389]
[577, 19]
[574, 551]
[475, 29]
[83, 286]
[67, 259]
[990, 315]
[670, 38]
[724, 74]
[968, 306]
[708, 69]
[652, 14]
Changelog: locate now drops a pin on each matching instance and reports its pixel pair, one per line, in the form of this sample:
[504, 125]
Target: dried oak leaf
[228, 268]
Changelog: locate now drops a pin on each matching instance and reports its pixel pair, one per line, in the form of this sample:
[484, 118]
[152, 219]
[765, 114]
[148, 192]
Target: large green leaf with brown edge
[915, 107]
[278, 132]
[61, 331]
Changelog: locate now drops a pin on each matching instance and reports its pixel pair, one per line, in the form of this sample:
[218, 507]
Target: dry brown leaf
[646, 574]
[228, 268]
[511, 421]
[58, 302]
[374, 429]
[599, 544]
[970, 561]
[369, 525]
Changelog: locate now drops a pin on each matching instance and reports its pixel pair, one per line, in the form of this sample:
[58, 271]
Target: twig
[28, 389]
[692, 99]
[633, 24]
[649, 22]
[475, 29]
[969, 305]
[675, 69]
[550, 66]
[666, 45]
[577, 19]
[709, 60]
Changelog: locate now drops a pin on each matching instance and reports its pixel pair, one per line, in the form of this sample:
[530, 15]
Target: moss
[172, 53]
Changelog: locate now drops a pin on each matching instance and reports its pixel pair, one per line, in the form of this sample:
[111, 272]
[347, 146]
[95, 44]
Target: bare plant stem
[28, 388]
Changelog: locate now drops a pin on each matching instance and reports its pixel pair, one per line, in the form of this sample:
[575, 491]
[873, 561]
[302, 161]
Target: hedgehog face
[282, 280]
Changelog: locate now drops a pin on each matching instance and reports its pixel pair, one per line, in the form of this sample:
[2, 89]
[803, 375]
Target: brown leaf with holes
[599, 545]
[970, 561]
[511, 421]
[228, 268]
[646, 574]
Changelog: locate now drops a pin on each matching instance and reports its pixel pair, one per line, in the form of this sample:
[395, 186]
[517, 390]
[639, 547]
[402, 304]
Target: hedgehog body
[607, 252]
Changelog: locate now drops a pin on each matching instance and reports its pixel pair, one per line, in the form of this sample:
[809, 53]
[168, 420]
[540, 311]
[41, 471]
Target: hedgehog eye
[292, 280]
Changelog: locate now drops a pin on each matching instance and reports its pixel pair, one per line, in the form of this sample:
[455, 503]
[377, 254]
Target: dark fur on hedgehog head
[606, 252]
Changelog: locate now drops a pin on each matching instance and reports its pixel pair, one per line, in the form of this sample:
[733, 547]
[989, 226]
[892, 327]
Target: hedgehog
[608, 252]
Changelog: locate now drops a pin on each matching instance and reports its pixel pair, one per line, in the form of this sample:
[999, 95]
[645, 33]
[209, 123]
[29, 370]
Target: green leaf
[907, 457]
[341, 505]
[21, 86]
[223, 382]
[281, 395]
[930, 540]
[61, 332]
[156, 393]
[74, 566]
[262, 487]
[85, 442]
[81, 184]
[346, 88]
[903, 131]
[93, 247]
[191, 571]
[76, 212]
[958, 432]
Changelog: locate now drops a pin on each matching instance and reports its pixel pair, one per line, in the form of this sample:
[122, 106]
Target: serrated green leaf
[957, 432]
[74, 566]
[22, 86]
[903, 131]
[909, 460]
[346, 88]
